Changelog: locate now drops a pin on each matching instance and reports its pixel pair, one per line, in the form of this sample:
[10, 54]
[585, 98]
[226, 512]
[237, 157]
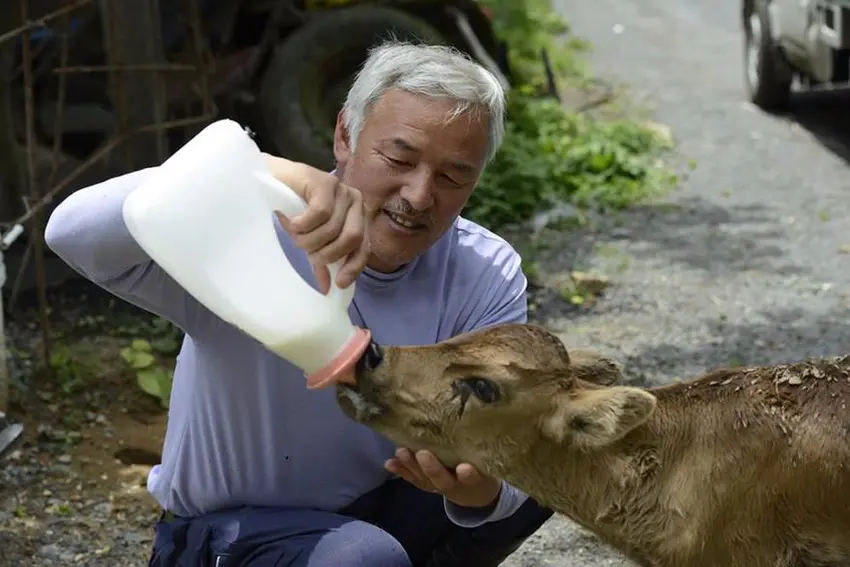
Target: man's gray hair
[430, 70]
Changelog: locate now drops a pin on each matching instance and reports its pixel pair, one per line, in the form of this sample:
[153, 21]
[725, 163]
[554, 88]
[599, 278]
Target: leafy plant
[65, 368]
[141, 355]
[551, 154]
[529, 27]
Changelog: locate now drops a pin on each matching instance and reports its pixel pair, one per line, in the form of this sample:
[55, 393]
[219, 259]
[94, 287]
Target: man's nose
[417, 191]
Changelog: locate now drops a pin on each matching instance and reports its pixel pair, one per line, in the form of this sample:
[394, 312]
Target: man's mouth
[403, 222]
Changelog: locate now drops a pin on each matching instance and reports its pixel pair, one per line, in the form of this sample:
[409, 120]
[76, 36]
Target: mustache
[406, 209]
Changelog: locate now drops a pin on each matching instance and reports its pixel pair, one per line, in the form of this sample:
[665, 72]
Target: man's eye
[396, 161]
[450, 180]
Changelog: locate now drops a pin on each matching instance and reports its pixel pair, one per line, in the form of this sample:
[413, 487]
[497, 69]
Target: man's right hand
[334, 225]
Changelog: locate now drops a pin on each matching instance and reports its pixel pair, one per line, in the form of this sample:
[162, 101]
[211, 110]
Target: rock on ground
[748, 262]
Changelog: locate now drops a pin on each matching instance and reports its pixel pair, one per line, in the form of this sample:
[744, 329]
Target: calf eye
[485, 390]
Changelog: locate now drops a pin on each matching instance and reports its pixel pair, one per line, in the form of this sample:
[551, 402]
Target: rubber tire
[772, 92]
[298, 129]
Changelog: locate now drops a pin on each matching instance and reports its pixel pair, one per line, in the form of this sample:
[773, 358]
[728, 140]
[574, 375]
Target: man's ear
[342, 140]
[596, 418]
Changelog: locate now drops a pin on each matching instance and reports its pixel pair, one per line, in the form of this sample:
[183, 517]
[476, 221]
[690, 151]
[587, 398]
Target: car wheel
[308, 75]
[767, 73]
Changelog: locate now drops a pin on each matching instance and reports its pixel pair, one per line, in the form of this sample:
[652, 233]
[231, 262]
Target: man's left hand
[465, 486]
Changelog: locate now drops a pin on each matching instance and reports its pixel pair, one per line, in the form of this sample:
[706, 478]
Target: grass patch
[552, 154]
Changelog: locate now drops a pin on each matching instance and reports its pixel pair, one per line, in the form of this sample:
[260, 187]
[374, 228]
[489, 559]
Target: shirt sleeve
[504, 301]
[87, 232]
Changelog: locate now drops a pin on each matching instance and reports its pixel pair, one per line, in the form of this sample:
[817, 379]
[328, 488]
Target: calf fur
[744, 467]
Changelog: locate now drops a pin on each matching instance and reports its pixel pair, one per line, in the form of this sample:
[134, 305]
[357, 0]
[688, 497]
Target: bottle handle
[282, 198]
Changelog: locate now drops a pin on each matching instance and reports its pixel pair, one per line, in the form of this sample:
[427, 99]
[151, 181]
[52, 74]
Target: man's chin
[390, 254]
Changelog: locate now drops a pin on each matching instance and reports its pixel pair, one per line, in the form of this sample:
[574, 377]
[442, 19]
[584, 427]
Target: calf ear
[594, 367]
[596, 418]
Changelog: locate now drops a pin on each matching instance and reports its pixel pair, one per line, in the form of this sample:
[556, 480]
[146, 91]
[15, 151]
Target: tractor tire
[308, 76]
[767, 74]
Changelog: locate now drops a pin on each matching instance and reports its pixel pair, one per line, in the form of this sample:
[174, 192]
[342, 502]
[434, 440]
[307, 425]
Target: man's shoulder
[480, 248]
[488, 283]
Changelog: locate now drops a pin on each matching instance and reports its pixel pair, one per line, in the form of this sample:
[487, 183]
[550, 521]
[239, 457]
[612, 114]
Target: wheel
[309, 74]
[767, 74]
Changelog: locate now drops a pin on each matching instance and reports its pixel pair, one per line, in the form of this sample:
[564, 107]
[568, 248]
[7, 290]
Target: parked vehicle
[786, 39]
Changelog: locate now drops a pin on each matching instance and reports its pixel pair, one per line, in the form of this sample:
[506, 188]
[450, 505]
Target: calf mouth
[357, 405]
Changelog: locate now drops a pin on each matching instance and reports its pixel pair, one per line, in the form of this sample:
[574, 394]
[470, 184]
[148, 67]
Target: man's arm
[87, 231]
[505, 302]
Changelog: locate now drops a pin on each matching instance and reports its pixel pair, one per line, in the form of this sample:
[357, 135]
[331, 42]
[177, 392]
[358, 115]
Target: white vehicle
[786, 39]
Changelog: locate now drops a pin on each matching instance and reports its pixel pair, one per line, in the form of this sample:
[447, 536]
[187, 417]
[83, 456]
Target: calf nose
[372, 357]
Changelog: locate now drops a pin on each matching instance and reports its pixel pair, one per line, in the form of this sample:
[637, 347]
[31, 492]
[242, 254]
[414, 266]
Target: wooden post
[11, 172]
[132, 35]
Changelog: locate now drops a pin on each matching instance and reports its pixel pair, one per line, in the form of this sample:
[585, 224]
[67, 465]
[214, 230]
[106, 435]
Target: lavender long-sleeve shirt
[243, 429]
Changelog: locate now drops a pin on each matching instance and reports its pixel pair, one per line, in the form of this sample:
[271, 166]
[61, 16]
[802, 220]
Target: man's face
[415, 169]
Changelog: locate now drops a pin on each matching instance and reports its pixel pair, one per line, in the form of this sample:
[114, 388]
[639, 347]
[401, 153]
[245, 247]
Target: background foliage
[550, 153]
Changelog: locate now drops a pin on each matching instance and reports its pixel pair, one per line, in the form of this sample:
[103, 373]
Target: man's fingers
[347, 236]
[353, 265]
[323, 278]
[395, 466]
[355, 247]
[321, 197]
[408, 461]
[333, 227]
[316, 241]
[398, 469]
[435, 472]
[467, 474]
[307, 182]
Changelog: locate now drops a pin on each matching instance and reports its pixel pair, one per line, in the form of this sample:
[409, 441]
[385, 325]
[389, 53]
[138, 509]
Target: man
[257, 469]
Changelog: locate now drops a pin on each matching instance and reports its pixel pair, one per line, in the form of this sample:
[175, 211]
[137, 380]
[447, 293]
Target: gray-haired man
[257, 470]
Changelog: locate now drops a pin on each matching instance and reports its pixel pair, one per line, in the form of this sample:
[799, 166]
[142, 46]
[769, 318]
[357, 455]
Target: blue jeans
[395, 525]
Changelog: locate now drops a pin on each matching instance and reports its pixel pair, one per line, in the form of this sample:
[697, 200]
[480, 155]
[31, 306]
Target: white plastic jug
[206, 217]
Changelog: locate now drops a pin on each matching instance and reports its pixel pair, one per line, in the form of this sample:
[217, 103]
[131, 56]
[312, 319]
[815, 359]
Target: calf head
[490, 396]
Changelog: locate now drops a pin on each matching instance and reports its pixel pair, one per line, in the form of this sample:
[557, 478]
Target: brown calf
[745, 467]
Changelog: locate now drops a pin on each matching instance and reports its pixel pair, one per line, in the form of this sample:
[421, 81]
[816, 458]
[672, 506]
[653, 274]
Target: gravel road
[745, 263]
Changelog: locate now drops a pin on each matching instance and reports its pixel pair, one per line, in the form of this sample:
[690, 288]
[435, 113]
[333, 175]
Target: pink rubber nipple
[341, 368]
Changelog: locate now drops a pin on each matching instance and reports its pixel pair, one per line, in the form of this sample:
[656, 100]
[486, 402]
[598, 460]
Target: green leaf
[166, 345]
[156, 382]
[142, 360]
[141, 345]
[149, 382]
[128, 354]
[137, 359]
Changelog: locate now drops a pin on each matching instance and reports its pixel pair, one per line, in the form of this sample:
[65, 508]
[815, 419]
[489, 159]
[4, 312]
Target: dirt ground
[73, 492]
